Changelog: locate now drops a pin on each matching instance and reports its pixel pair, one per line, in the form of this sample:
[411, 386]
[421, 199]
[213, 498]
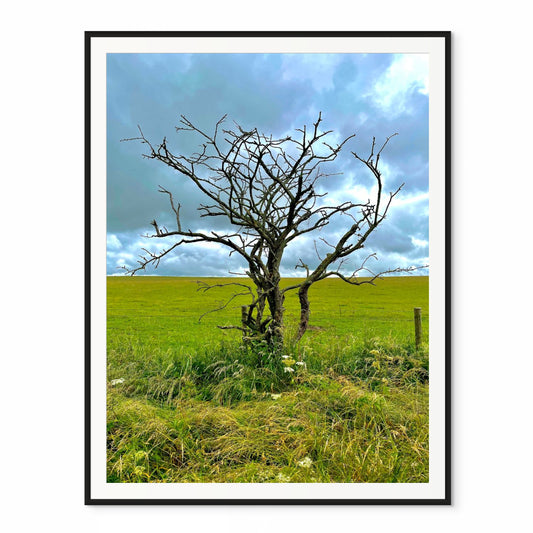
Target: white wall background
[41, 207]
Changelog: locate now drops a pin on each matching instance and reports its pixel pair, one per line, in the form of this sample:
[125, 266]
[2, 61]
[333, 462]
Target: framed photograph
[267, 268]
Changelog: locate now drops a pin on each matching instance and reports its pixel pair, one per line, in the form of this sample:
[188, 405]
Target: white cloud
[361, 194]
[212, 246]
[124, 259]
[113, 242]
[406, 74]
[413, 199]
[419, 243]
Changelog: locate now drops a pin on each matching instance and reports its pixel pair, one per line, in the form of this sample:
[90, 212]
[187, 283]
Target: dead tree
[266, 188]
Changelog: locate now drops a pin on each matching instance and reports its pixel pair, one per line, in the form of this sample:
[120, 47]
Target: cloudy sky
[366, 94]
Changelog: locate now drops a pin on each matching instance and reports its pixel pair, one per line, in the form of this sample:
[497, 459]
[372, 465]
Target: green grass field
[187, 402]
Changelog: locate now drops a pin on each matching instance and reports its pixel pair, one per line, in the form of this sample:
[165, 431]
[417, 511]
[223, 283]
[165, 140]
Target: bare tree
[266, 188]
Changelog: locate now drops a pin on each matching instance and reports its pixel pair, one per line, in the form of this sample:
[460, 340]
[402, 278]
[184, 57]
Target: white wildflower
[301, 363]
[117, 381]
[282, 478]
[288, 369]
[306, 462]
[284, 356]
[275, 396]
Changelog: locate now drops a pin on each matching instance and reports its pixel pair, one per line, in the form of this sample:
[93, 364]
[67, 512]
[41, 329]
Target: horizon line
[247, 277]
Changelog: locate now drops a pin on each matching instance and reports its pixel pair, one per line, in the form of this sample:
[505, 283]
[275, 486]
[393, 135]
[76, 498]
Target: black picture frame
[90, 38]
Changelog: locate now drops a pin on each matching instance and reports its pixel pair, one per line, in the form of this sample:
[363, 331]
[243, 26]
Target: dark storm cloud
[369, 94]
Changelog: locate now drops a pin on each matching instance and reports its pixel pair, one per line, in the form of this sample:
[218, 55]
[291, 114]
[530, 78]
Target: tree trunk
[304, 311]
[274, 335]
[275, 298]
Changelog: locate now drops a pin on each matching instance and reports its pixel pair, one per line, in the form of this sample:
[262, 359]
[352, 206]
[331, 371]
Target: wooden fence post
[418, 326]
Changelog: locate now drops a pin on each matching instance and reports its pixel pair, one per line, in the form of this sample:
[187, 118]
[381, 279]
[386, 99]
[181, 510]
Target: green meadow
[189, 402]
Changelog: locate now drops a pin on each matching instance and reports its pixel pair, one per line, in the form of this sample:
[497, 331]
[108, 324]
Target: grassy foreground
[188, 403]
